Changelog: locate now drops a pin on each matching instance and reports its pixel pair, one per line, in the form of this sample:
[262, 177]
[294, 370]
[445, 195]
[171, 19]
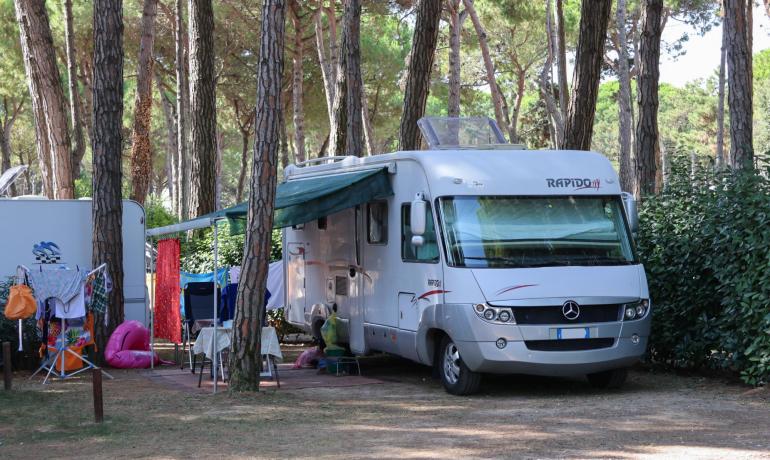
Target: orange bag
[21, 303]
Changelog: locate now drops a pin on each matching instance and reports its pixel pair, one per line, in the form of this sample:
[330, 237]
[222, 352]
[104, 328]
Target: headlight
[636, 310]
[499, 315]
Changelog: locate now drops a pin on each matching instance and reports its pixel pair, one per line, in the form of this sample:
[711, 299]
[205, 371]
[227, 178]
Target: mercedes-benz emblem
[571, 310]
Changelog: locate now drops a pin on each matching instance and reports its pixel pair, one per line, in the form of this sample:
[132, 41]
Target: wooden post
[96, 380]
[7, 371]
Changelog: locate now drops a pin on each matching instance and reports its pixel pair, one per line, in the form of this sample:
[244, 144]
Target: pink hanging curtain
[168, 319]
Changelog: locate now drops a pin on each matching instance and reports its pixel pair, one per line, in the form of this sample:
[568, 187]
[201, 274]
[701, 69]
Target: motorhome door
[295, 283]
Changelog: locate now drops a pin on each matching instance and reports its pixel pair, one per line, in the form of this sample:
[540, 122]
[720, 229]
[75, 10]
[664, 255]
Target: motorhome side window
[428, 252]
[377, 222]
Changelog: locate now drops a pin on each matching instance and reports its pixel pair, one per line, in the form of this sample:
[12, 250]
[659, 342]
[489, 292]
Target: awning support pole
[214, 344]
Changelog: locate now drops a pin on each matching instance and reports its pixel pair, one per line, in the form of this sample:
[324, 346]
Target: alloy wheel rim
[451, 363]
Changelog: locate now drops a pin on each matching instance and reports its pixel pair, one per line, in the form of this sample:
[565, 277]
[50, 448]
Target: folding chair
[198, 302]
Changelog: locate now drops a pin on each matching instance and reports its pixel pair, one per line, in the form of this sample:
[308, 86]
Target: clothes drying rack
[62, 349]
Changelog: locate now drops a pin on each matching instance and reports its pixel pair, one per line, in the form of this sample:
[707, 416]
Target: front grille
[569, 344]
[554, 315]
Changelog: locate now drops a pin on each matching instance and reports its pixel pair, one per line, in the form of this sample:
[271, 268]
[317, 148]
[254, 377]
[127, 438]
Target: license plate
[573, 333]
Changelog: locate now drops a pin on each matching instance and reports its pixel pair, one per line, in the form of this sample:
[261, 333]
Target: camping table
[271, 349]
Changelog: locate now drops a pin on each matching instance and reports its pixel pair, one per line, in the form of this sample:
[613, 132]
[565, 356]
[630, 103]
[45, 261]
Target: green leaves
[707, 255]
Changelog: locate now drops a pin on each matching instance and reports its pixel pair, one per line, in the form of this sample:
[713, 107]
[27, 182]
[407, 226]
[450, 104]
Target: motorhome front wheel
[455, 375]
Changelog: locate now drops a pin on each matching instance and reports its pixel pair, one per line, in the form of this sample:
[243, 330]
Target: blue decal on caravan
[47, 252]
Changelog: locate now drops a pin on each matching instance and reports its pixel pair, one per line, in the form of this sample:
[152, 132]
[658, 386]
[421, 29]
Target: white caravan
[41, 233]
[493, 260]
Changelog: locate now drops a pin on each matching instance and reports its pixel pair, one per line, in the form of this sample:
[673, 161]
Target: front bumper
[516, 358]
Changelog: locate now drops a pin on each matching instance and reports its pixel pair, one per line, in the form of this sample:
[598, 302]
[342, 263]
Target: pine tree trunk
[203, 116]
[45, 86]
[720, 154]
[647, 141]
[545, 83]
[326, 70]
[141, 146]
[561, 59]
[284, 140]
[421, 58]
[79, 148]
[624, 103]
[739, 83]
[169, 116]
[245, 354]
[182, 111]
[338, 129]
[11, 111]
[86, 107]
[497, 102]
[107, 210]
[355, 127]
[455, 80]
[513, 130]
[297, 81]
[367, 120]
[578, 128]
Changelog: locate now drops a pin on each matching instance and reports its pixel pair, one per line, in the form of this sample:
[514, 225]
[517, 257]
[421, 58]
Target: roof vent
[463, 133]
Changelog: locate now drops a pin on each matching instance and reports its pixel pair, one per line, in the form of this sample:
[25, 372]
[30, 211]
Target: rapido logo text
[574, 183]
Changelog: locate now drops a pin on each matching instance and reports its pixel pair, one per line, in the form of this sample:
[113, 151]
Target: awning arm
[182, 226]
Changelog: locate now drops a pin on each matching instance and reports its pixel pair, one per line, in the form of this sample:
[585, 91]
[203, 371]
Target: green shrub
[198, 255]
[706, 250]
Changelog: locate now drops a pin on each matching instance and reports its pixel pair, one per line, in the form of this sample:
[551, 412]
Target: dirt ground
[656, 415]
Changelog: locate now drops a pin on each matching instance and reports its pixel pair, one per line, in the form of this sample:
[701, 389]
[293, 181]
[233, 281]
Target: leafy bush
[198, 255]
[706, 249]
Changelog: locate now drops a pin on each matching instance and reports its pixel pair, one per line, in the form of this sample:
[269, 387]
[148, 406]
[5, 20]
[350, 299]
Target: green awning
[303, 200]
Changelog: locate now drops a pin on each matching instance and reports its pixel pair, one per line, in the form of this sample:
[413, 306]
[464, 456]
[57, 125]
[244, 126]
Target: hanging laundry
[235, 274]
[60, 284]
[75, 308]
[186, 278]
[99, 299]
[168, 319]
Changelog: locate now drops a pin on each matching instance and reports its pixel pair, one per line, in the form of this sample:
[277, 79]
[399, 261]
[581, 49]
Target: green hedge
[706, 248]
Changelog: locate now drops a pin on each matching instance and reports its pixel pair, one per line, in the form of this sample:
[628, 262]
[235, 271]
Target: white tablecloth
[204, 342]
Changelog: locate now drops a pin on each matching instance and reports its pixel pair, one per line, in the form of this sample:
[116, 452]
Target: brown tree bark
[420, 65]
[11, 111]
[739, 84]
[182, 111]
[141, 146]
[347, 130]
[624, 103]
[203, 115]
[46, 91]
[366, 118]
[76, 122]
[497, 102]
[561, 59]
[245, 355]
[107, 209]
[323, 60]
[545, 82]
[245, 122]
[578, 128]
[455, 79]
[169, 116]
[297, 79]
[355, 127]
[647, 162]
[720, 153]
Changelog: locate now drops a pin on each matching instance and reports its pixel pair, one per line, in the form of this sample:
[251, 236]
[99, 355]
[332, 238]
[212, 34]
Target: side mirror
[417, 216]
[632, 214]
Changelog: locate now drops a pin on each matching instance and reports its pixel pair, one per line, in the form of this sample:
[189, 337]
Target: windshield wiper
[601, 261]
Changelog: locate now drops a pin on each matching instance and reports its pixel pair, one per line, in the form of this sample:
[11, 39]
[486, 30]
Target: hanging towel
[61, 284]
[168, 319]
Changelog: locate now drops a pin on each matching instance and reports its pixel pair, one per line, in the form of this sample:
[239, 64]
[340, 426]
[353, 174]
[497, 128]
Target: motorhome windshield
[514, 232]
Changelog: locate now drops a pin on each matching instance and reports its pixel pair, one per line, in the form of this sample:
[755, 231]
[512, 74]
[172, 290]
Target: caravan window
[377, 222]
[428, 252]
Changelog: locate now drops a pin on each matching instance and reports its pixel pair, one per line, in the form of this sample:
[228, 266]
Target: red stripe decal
[430, 293]
[513, 288]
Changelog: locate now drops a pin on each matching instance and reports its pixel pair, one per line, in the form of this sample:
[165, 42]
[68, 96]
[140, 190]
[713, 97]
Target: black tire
[455, 375]
[614, 378]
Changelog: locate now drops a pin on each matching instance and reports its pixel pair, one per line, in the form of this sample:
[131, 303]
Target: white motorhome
[476, 260]
[44, 234]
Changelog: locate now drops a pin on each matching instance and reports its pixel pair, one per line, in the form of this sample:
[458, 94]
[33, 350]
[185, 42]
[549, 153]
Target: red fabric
[168, 319]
